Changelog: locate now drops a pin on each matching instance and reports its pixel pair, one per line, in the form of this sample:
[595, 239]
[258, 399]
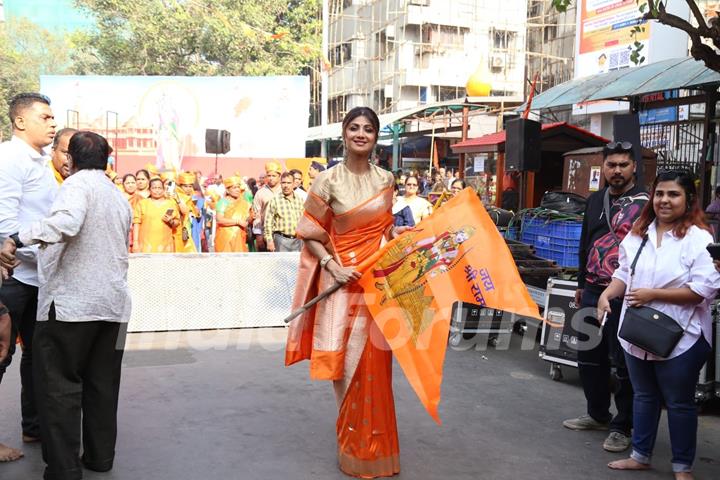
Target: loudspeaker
[522, 145]
[626, 128]
[217, 141]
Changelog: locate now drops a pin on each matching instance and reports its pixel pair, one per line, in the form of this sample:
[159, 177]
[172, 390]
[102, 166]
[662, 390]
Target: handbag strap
[606, 210]
[637, 255]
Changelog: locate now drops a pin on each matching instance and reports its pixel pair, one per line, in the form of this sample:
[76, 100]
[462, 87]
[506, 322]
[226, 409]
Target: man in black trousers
[27, 189]
[83, 304]
[609, 215]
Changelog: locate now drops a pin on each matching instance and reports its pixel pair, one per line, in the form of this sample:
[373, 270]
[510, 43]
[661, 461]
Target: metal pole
[396, 146]
[324, 87]
[461, 160]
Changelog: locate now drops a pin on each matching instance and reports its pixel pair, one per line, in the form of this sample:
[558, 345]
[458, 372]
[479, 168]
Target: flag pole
[312, 302]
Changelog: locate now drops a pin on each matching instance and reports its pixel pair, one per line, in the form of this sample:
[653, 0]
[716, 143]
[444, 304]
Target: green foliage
[164, 37]
[561, 5]
[199, 37]
[26, 52]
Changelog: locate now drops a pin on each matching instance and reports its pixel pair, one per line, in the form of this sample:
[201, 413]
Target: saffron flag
[456, 254]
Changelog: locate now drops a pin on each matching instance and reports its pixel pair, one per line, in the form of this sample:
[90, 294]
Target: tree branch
[698, 14]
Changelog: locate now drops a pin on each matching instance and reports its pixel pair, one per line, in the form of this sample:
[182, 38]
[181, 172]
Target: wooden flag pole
[312, 302]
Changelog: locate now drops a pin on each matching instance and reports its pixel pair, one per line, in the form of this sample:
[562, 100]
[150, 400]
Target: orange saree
[232, 239]
[350, 215]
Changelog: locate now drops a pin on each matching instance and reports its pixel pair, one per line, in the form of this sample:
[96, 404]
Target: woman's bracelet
[325, 260]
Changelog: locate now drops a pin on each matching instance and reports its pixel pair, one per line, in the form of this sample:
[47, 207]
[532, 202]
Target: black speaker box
[626, 128]
[522, 145]
[217, 141]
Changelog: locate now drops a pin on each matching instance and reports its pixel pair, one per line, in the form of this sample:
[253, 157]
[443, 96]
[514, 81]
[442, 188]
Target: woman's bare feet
[628, 464]
[8, 454]
[683, 476]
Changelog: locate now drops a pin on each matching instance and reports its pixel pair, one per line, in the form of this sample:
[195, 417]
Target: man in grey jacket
[83, 302]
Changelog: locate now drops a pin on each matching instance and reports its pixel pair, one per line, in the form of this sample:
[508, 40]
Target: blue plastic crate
[566, 230]
[512, 233]
[564, 258]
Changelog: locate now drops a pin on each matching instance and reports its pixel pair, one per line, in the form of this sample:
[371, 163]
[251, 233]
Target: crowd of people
[69, 301]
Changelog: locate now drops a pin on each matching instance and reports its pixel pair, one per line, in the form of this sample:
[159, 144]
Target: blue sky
[54, 15]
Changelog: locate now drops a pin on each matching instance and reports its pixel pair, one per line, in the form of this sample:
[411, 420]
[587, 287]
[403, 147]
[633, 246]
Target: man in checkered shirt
[282, 216]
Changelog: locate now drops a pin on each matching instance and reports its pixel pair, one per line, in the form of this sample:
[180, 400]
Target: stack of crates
[512, 232]
[556, 240]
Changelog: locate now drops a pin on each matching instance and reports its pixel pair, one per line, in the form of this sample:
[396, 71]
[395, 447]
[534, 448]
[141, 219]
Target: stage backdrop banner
[165, 118]
[456, 254]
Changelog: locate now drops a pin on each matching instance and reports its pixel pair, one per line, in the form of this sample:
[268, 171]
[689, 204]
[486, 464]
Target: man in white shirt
[298, 184]
[83, 303]
[261, 201]
[27, 189]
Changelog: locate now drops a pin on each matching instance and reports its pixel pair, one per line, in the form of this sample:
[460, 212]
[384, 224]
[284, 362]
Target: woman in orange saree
[232, 218]
[347, 218]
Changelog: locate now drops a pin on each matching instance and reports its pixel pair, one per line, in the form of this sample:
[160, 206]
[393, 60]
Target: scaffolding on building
[550, 47]
[366, 39]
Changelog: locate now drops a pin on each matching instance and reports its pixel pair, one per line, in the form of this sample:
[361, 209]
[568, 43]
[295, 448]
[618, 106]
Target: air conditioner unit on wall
[497, 61]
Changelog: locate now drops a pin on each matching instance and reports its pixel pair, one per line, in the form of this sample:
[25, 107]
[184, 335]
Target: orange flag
[456, 254]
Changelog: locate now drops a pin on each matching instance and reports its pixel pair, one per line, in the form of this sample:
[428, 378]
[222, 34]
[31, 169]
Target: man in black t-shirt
[598, 260]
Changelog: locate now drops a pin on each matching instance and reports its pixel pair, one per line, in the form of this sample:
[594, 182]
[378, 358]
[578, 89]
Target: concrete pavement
[220, 405]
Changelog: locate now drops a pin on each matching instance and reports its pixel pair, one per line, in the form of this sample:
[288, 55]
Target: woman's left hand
[640, 296]
[397, 231]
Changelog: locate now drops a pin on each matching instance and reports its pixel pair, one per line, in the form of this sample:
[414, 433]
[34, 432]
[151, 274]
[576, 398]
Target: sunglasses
[619, 146]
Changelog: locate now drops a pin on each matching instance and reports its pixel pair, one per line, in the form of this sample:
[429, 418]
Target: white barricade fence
[210, 290]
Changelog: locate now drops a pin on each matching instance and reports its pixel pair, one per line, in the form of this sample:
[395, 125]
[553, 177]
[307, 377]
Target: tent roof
[496, 141]
[675, 73]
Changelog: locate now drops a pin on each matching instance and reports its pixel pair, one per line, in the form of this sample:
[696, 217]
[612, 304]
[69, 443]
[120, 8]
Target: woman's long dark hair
[693, 213]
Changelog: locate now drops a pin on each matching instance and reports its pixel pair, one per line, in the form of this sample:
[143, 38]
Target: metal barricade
[211, 290]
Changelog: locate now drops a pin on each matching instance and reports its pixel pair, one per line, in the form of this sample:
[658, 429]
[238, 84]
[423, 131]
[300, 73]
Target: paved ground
[220, 405]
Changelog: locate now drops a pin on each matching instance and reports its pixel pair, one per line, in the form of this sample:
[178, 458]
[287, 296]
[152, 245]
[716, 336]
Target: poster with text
[605, 40]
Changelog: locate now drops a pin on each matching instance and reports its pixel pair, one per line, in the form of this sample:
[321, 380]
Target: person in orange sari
[183, 197]
[347, 218]
[232, 214]
[153, 221]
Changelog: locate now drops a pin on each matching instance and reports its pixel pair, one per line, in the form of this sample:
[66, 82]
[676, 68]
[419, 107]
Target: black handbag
[648, 328]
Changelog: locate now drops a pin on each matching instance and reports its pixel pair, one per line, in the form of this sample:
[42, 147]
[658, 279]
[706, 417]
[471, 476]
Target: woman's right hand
[603, 306]
[343, 275]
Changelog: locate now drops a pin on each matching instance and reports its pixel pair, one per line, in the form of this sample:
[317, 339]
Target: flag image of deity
[168, 139]
[401, 273]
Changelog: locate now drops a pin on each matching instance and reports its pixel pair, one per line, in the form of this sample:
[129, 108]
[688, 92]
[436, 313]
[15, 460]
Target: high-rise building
[394, 55]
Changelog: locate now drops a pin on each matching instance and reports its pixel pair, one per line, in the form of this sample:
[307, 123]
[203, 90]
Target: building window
[336, 109]
[443, 36]
[503, 40]
[550, 32]
[449, 93]
[423, 94]
[341, 54]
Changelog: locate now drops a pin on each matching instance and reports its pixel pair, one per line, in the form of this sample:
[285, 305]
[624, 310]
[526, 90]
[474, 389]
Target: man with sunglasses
[609, 215]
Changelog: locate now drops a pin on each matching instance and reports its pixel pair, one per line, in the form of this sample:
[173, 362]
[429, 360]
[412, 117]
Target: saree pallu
[232, 239]
[185, 246]
[340, 339]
